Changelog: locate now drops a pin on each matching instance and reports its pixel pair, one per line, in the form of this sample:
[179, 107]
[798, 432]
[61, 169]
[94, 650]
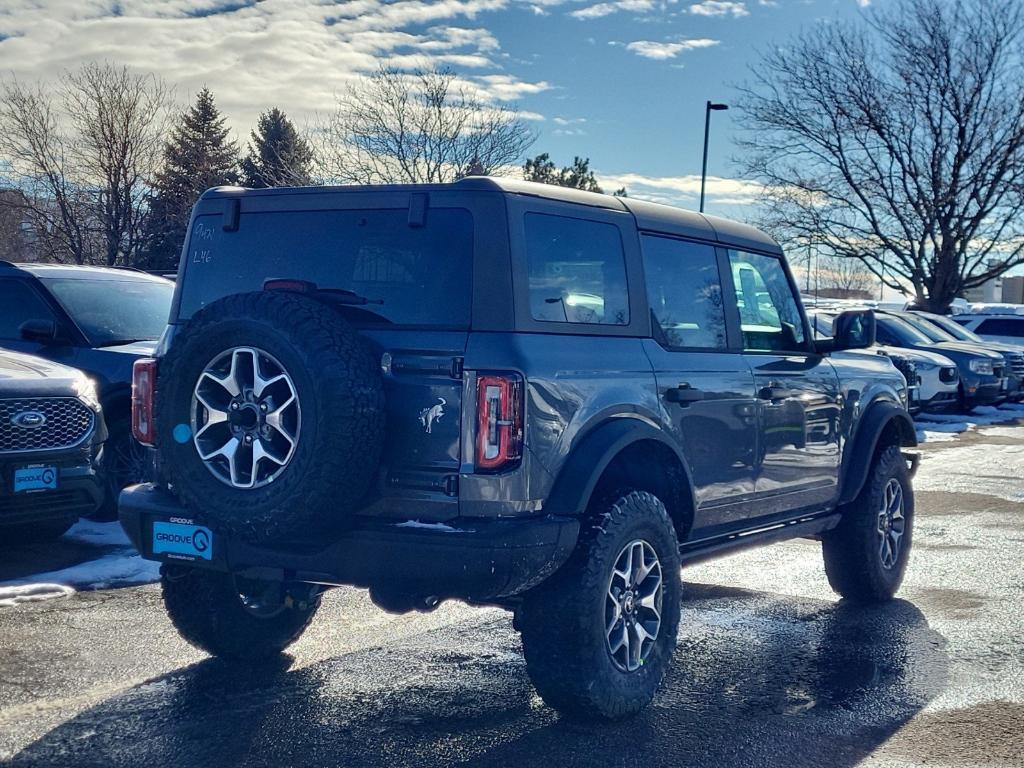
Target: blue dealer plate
[35, 479]
[191, 542]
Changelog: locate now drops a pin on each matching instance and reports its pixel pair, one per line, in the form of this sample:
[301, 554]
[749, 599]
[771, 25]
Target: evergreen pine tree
[578, 175]
[198, 155]
[278, 156]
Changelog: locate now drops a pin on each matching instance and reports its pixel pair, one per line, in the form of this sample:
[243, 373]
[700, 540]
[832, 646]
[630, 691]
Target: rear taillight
[499, 426]
[143, 387]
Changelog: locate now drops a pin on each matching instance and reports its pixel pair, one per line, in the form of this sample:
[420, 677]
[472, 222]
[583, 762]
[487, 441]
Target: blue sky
[623, 82]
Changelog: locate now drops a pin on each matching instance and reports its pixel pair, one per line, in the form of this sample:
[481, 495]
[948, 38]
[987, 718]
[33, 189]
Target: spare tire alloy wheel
[246, 418]
[633, 605]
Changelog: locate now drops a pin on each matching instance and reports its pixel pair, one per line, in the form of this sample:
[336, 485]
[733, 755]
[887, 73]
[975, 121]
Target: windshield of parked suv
[904, 333]
[954, 329]
[115, 311]
[931, 331]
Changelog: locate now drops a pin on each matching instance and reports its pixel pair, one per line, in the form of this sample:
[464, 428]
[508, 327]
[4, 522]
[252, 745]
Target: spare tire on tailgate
[269, 416]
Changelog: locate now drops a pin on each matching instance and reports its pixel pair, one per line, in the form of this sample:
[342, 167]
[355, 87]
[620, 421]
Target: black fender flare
[860, 450]
[592, 454]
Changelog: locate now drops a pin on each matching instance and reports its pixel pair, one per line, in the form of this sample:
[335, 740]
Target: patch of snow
[935, 427]
[11, 596]
[117, 565]
[116, 570]
[426, 526]
[936, 436]
[107, 534]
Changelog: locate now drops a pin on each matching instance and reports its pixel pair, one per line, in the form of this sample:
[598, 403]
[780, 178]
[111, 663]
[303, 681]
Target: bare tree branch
[82, 158]
[899, 142]
[417, 127]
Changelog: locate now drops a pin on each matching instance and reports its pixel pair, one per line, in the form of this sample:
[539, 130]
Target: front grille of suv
[68, 423]
[907, 367]
[1016, 363]
[999, 371]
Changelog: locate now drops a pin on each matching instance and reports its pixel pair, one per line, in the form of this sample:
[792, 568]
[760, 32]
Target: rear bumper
[473, 559]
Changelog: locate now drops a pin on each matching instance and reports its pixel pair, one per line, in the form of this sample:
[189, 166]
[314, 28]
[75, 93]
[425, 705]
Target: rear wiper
[345, 296]
[339, 295]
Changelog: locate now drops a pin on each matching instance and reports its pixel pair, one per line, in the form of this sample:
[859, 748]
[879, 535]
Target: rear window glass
[420, 276]
[1002, 327]
[577, 271]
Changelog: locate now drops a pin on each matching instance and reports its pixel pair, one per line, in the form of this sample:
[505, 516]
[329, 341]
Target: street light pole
[708, 108]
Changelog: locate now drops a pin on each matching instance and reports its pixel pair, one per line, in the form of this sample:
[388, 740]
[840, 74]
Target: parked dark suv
[51, 433]
[99, 320]
[507, 393]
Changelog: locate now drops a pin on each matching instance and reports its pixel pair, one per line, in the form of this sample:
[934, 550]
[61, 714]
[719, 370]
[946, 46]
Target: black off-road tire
[341, 401]
[563, 620]
[852, 551]
[206, 609]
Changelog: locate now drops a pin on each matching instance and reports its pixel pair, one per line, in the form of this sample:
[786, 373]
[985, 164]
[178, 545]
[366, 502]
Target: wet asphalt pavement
[771, 670]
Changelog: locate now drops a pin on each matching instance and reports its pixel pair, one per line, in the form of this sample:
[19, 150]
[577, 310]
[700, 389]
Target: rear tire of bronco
[285, 402]
[209, 611]
[866, 554]
[598, 636]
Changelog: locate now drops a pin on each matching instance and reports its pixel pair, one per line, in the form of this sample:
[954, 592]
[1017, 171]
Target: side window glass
[882, 336]
[1002, 327]
[684, 291]
[769, 316]
[18, 303]
[577, 271]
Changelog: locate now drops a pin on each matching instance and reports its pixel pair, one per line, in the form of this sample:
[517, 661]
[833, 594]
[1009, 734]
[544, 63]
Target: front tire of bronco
[213, 614]
[598, 636]
[866, 554]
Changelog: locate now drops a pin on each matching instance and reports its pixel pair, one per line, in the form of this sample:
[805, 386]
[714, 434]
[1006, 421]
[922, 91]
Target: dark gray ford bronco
[505, 393]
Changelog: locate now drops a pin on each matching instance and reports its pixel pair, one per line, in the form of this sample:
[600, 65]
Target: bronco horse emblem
[433, 413]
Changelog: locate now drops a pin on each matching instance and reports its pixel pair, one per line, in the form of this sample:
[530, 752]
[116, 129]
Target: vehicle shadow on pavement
[759, 679]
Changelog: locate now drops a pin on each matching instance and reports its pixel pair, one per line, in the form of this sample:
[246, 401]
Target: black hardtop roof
[653, 217]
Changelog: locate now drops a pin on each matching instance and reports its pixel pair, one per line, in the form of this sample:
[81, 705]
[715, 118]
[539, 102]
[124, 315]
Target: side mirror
[42, 331]
[854, 329]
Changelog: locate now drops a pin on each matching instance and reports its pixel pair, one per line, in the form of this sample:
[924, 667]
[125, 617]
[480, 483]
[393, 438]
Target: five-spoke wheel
[891, 523]
[245, 417]
[633, 605]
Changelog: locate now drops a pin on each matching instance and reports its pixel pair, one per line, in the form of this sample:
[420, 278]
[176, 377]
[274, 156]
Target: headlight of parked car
[87, 393]
[925, 365]
[981, 366]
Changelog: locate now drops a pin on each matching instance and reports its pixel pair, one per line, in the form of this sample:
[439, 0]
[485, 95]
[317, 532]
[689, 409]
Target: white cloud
[651, 49]
[720, 8]
[606, 9]
[568, 120]
[683, 191]
[295, 54]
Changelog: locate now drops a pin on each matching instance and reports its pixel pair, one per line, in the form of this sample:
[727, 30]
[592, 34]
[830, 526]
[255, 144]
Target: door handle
[684, 394]
[775, 392]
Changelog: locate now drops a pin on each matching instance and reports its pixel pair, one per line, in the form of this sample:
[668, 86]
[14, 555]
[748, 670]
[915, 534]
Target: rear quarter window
[413, 276]
[577, 271]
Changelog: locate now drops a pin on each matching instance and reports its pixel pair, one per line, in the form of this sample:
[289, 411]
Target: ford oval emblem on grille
[28, 419]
